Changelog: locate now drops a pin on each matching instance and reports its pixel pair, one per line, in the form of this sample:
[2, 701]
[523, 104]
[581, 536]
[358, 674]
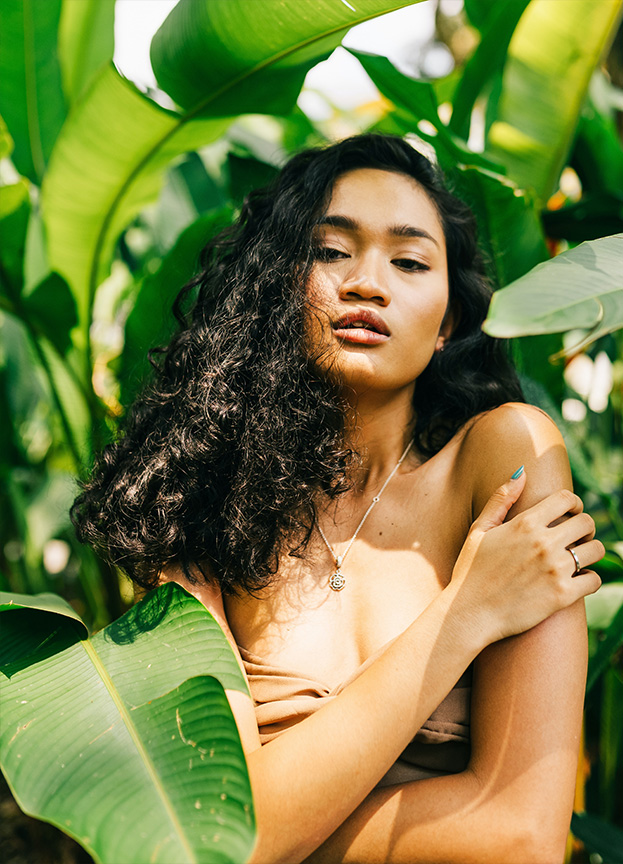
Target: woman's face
[379, 282]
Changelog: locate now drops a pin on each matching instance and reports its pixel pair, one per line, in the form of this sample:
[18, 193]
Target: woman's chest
[400, 561]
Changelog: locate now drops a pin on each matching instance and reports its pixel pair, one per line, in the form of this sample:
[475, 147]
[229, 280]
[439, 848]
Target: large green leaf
[581, 288]
[42, 602]
[31, 97]
[107, 739]
[108, 163]
[247, 173]
[224, 57]
[508, 222]
[85, 42]
[552, 55]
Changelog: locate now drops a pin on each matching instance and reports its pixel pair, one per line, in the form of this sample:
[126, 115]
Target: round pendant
[337, 581]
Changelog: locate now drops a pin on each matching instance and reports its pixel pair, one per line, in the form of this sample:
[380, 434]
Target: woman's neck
[379, 427]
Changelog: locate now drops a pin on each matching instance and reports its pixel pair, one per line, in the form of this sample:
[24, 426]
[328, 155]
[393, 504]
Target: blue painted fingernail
[517, 473]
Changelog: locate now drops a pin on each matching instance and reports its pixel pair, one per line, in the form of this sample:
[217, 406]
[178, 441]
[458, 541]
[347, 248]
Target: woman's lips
[360, 336]
[362, 327]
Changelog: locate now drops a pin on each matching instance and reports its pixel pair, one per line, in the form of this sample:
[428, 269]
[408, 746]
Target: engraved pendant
[336, 580]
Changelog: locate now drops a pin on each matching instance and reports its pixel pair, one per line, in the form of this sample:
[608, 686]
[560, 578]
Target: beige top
[284, 697]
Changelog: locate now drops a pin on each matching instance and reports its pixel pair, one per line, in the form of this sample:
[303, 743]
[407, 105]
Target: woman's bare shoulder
[512, 422]
[497, 442]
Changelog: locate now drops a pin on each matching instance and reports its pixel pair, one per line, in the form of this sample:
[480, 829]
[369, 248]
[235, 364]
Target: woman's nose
[364, 282]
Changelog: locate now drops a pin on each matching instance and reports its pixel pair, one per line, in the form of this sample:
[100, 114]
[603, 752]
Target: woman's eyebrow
[349, 224]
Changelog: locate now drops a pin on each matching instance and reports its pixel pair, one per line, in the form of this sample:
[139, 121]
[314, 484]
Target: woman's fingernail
[517, 473]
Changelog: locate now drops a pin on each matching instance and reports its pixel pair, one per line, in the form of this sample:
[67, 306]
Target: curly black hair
[223, 456]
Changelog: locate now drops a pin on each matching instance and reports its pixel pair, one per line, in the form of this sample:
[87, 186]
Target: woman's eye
[410, 264]
[327, 253]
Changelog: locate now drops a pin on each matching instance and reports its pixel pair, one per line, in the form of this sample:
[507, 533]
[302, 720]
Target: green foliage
[600, 837]
[204, 59]
[31, 98]
[550, 62]
[109, 163]
[147, 323]
[487, 62]
[579, 289]
[106, 199]
[146, 717]
[85, 43]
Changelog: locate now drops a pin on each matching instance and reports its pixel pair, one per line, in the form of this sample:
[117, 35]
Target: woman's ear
[448, 326]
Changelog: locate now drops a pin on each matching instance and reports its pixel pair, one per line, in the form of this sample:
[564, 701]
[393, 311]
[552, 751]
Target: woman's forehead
[371, 196]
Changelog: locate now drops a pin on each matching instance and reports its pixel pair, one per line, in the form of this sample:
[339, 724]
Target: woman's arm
[309, 780]
[513, 803]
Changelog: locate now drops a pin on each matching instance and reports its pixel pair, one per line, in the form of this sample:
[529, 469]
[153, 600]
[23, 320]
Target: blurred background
[113, 176]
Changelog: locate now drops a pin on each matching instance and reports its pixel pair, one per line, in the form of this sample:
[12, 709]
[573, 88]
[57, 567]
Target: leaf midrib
[92, 285]
[133, 732]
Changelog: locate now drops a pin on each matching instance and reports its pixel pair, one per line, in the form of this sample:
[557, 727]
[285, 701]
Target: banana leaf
[581, 288]
[125, 740]
[225, 57]
[551, 59]
[611, 740]
[595, 215]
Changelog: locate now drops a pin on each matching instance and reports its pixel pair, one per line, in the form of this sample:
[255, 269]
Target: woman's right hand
[512, 575]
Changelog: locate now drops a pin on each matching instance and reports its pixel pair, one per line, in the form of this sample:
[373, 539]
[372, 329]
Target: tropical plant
[106, 199]
[148, 765]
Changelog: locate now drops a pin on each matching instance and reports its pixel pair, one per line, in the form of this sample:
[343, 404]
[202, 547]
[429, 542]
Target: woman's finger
[586, 582]
[584, 555]
[576, 529]
[557, 504]
[496, 509]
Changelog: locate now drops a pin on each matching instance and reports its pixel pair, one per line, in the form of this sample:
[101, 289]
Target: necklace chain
[337, 580]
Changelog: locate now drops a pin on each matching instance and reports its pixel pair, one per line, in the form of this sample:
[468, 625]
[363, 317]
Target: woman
[327, 458]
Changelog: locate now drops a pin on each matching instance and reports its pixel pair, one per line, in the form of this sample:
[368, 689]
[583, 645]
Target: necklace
[336, 579]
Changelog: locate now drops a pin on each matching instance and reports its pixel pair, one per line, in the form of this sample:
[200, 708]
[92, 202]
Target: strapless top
[284, 697]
